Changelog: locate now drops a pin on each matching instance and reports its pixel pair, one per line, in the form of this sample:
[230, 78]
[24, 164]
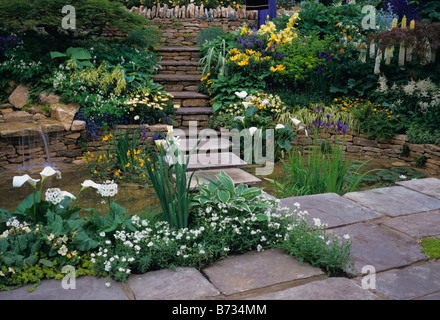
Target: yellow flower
[280, 67]
[273, 69]
[243, 63]
[403, 24]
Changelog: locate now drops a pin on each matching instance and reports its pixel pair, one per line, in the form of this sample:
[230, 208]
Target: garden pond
[141, 200]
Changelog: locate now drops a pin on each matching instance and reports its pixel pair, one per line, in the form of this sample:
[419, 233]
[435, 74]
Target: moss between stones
[431, 247]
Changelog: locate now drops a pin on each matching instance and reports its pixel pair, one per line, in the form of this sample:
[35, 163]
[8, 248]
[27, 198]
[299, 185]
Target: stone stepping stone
[259, 270]
[331, 209]
[188, 95]
[428, 186]
[166, 284]
[176, 77]
[207, 161]
[328, 289]
[239, 176]
[86, 288]
[178, 49]
[178, 63]
[409, 283]
[380, 247]
[205, 145]
[417, 226]
[394, 201]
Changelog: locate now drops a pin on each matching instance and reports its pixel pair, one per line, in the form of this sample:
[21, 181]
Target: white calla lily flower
[18, 181]
[295, 121]
[247, 104]
[279, 126]
[90, 183]
[48, 172]
[239, 118]
[67, 194]
[241, 94]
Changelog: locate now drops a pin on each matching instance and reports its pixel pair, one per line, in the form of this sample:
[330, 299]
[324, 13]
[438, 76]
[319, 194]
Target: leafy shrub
[209, 34]
[92, 17]
[144, 37]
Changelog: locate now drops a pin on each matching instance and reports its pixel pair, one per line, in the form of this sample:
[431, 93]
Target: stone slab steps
[180, 77]
[205, 145]
[239, 176]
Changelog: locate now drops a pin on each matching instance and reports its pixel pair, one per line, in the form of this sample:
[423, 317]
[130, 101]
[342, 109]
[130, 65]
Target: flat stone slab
[328, 289]
[177, 77]
[188, 94]
[238, 175]
[205, 161]
[331, 209]
[256, 270]
[428, 186]
[166, 284]
[394, 201]
[211, 144]
[86, 288]
[380, 247]
[409, 283]
[194, 111]
[418, 225]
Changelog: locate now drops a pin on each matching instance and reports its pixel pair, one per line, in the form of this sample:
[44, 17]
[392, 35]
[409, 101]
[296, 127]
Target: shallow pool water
[137, 199]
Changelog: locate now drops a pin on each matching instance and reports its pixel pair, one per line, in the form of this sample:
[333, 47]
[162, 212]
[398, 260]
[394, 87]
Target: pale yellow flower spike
[412, 24]
[403, 22]
[394, 23]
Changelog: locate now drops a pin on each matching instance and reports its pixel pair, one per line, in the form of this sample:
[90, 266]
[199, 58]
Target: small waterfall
[46, 147]
[29, 149]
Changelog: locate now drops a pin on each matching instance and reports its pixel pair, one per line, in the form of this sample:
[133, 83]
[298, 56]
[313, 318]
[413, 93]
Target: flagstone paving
[385, 226]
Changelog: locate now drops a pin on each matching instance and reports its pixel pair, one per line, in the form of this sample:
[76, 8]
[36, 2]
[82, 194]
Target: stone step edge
[238, 175]
[177, 77]
[177, 49]
[188, 95]
[178, 63]
[194, 111]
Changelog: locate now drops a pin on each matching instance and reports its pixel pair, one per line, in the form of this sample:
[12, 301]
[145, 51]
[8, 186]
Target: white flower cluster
[108, 189]
[15, 227]
[426, 91]
[260, 230]
[54, 195]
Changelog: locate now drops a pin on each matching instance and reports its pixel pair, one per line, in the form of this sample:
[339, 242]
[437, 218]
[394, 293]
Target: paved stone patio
[385, 226]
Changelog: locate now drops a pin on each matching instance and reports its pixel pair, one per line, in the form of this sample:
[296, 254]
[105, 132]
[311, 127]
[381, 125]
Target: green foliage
[431, 247]
[313, 171]
[316, 17]
[144, 37]
[92, 16]
[80, 57]
[209, 34]
[223, 193]
[170, 182]
[420, 135]
[377, 125]
[224, 88]
[301, 59]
